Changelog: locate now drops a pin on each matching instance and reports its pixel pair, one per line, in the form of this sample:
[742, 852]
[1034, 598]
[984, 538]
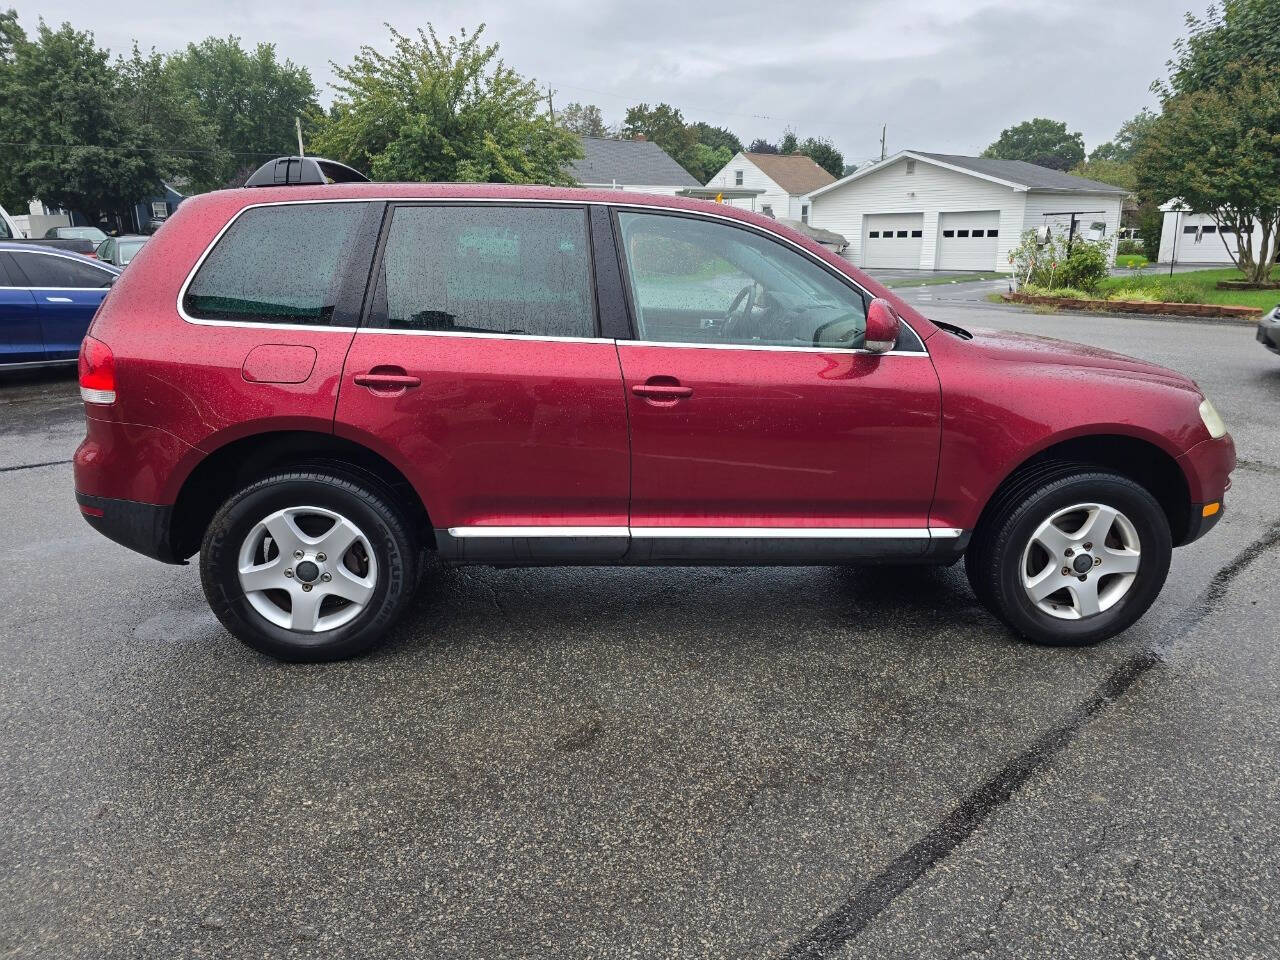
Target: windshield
[82, 233]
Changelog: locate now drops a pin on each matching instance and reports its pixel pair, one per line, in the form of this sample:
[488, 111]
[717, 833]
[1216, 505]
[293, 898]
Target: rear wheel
[1072, 557]
[309, 565]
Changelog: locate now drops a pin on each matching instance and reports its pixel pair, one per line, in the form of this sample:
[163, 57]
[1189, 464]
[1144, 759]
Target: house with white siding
[1187, 237]
[935, 211]
[783, 181]
[640, 166]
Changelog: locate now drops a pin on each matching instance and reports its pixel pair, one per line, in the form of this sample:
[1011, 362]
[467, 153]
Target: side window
[45, 270]
[277, 264]
[698, 281]
[487, 269]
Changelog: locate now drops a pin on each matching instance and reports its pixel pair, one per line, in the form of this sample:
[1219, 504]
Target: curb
[1212, 312]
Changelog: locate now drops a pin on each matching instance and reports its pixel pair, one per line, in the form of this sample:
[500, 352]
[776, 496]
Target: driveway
[697, 762]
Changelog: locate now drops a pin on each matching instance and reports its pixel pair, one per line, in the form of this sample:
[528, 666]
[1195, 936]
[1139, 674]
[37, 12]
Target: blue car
[47, 298]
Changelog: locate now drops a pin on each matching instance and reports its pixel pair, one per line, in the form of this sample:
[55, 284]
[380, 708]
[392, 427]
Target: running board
[539, 545]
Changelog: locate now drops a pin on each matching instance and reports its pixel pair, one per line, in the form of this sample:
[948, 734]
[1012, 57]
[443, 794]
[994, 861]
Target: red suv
[313, 386]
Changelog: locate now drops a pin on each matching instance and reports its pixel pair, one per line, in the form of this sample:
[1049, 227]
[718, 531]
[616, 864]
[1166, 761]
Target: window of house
[977, 233]
[767, 210]
[993, 233]
[902, 233]
[874, 234]
[1190, 229]
[698, 281]
[1210, 228]
[911, 166]
[962, 233]
[487, 269]
[948, 233]
[260, 272]
[737, 178]
[159, 210]
[804, 213]
[917, 233]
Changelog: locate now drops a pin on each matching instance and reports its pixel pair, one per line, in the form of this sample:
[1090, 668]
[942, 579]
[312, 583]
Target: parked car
[47, 298]
[120, 250]
[92, 234]
[561, 376]
[8, 229]
[1269, 330]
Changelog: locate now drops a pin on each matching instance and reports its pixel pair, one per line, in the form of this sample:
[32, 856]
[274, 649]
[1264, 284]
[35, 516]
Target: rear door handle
[387, 380]
[59, 299]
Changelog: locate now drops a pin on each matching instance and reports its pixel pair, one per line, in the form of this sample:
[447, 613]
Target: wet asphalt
[704, 762]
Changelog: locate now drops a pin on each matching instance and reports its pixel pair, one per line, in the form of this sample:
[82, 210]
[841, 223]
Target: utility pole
[297, 125]
[882, 133]
[551, 107]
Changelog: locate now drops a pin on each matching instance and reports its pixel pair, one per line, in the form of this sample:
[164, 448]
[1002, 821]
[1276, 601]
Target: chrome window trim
[619, 204]
[705, 533]
[753, 346]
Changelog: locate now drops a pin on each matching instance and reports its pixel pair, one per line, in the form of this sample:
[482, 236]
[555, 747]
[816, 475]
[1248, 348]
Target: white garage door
[968, 241]
[892, 240]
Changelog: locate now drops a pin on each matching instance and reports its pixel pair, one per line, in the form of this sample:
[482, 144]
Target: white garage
[969, 240]
[893, 240]
[937, 211]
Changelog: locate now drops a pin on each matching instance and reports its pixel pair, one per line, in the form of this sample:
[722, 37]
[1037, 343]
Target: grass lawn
[1197, 286]
[953, 278]
[1131, 260]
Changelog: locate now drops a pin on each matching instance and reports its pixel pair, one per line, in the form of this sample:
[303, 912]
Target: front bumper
[1269, 331]
[1207, 467]
[143, 527]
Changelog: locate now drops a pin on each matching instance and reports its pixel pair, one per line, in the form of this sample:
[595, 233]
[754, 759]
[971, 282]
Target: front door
[758, 423]
[67, 292]
[481, 374]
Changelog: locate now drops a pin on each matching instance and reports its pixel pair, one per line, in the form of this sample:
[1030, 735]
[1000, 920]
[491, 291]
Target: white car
[8, 229]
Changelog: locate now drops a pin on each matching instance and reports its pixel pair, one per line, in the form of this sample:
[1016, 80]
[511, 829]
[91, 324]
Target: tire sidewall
[219, 565]
[1155, 543]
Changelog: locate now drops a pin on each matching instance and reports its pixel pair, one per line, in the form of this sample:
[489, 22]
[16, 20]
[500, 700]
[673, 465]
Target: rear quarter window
[276, 264]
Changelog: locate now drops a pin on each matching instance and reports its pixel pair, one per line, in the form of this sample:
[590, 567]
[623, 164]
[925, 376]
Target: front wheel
[1073, 560]
[308, 566]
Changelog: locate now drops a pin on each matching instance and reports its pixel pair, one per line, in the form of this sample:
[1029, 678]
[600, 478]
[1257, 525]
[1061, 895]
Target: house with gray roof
[637, 165]
[938, 211]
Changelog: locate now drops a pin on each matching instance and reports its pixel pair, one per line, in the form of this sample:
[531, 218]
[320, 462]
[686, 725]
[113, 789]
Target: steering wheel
[732, 322]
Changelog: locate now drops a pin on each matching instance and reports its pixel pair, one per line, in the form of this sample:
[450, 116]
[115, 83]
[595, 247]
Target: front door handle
[387, 380]
[662, 391]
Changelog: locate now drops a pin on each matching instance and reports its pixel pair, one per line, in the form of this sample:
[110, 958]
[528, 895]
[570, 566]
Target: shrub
[1052, 267]
[1086, 265]
[1130, 246]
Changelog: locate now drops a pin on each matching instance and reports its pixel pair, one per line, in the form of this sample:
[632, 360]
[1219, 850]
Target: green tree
[707, 161]
[437, 110]
[824, 153]
[761, 145]
[1041, 141]
[72, 140]
[249, 99]
[717, 137]
[789, 143]
[665, 126]
[1220, 46]
[165, 116]
[1218, 150]
[1125, 144]
[583, 119]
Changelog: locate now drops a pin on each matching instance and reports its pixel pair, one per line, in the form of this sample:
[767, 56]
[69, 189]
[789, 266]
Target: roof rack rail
[298, 171]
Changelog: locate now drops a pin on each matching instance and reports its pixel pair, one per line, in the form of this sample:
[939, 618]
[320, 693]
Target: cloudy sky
[945, 75]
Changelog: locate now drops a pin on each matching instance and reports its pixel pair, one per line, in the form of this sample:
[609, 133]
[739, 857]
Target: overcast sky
[945, 75]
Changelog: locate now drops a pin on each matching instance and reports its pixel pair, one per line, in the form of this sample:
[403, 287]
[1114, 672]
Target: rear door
[67, 291]
[481, 373]
[20, 339]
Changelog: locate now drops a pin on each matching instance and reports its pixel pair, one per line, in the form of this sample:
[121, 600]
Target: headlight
[1212, 421]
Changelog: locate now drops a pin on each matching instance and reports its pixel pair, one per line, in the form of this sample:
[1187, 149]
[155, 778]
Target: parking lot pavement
[699, 762]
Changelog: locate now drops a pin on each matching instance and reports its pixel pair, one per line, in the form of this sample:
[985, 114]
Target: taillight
[97, 372]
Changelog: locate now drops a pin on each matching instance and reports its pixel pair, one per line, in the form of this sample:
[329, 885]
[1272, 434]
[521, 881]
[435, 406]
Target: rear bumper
[143, 527]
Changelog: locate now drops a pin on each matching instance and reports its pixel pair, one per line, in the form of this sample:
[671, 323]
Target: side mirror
[882, 326]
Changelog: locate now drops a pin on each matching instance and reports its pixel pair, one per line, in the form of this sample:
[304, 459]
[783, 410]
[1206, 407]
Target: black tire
[368, 505]
[995, 557]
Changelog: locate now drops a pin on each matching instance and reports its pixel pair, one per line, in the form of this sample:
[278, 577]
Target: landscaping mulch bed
[1217, 311]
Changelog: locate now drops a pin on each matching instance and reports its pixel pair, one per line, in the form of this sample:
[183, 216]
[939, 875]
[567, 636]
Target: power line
[119, 149]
